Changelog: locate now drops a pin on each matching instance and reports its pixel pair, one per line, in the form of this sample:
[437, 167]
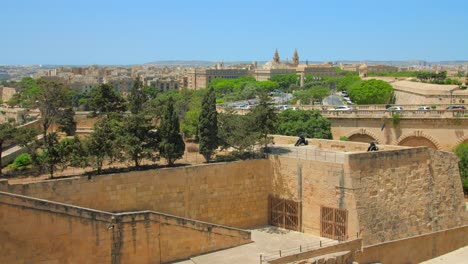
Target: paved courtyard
[267, 240]
[459, 256]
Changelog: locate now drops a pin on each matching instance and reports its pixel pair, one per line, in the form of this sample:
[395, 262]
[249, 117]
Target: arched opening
[417, 142]
[361, 138]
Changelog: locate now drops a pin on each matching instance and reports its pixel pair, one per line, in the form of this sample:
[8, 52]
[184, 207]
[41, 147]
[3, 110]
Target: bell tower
[276, 58]
[295, 60]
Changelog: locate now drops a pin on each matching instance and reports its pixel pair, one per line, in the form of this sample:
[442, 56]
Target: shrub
[21, 162]
[433, 106]
[396, 119]
[344, 138]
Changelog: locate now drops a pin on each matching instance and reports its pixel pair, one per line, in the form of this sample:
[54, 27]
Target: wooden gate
[334, 223]
[284, 213]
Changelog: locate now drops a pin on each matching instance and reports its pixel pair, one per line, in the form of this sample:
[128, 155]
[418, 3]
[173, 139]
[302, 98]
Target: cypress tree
[172, 145]
[208, 125]
[137, 97]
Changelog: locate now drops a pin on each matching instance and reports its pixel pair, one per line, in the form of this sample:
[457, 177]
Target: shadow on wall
[280, 185]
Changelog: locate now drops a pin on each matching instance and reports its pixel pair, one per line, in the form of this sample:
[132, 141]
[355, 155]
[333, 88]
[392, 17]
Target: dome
[363, 67]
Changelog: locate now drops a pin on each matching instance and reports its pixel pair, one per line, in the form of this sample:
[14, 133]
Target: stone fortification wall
[415, 249]
[406, 193]
[443, 133]
[39, 231]
[345, 146]
[232, 194]
[316, 183]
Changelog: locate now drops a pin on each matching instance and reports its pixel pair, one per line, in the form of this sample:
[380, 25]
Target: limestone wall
[444, 133]
[415, 249]
[344, 146]
[406, 193]
[32, 235]
[317, 184]
[39, 231]
[232, 194]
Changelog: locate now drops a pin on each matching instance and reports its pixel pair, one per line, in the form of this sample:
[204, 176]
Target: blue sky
[137, 31]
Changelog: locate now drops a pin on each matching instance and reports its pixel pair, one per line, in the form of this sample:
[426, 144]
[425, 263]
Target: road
[332, 100]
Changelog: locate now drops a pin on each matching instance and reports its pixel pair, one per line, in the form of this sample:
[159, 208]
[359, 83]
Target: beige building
[317, 70]
[164, 84]
[122, 85]
[200, 78]
[408, 92]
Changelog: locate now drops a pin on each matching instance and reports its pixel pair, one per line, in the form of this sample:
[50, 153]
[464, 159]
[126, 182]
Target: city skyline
[124, 33]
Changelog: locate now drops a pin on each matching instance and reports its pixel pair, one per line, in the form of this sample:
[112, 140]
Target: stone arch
[362, 135]
[462, 140]
[417, 139]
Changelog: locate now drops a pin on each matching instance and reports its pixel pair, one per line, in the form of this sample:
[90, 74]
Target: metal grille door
[334, 223]
[284, 213]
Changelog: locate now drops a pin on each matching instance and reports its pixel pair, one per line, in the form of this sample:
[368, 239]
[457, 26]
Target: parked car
[456, 107]
[424, 108]
[343, 108]
[395, 109]
[282, 107]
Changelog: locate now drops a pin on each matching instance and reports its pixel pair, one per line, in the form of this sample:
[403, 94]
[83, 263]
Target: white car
[342, 108]
[282, 107]
[395, 109]
[425, 108]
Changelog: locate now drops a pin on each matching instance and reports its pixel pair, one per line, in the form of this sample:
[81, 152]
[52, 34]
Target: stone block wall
[415, 249]
[34, 231]
[40, 231]
[345, 146]
[317, 184]
[233, 194]
[405, 193]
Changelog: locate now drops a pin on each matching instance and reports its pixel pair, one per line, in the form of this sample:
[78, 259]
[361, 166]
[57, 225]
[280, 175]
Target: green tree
[51, 101]
[7, 131]
[28, 88]
[27, 137]
[172, 145]
[53, 153]
[189, 125]
[462, 153]
[137, 138]
[137, 97]
[104, 100]
[284, 81]
[77, 154]
[101, 143]
[307, 122]
[347, 81]
[235, 131]
[67, 122]
[264, 118]
[371, 92]
[208, 126]
[311, 95]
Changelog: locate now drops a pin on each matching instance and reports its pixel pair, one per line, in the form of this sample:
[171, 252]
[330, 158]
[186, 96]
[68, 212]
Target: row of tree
[143, 127]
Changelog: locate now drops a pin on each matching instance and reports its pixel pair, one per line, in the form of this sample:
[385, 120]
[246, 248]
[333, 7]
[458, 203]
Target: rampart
[40, 231]
[405, 193]
[389, 195]
[233, 194]
[415, 249]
